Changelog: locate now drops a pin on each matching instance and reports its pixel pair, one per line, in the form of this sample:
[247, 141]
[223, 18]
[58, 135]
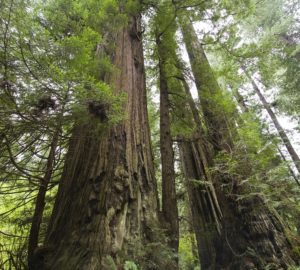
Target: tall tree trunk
[252, 232]
[218, 125]
[206, 213]
[277, 125]
[107, 197]
[203, 205]
[169, 201]
[40, 201]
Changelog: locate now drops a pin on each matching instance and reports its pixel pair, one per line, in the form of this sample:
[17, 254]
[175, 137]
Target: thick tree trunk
[250, 230]
[204, 206]
[277, 125]
[107, 197]
[206, 213]
[40, 201]
[194, 152]
[169, 201]
[210, 94]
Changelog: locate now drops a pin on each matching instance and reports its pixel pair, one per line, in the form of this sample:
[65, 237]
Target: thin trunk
[277, 125]
[250, 230]
[241, 102]
[289, 167]
[169, 217]
[244, 107]
[40, 201]
[107, 198]
[169, 201]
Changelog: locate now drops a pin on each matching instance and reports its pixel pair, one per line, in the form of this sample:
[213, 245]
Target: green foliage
[54, 57]
[271, 48]
[255, 164]
[187, 260]
[61, 51]
[109, 263]
[129, 265]
[294, 268]
[150, 255]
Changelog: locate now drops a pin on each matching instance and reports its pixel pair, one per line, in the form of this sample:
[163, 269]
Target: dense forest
[149, 134]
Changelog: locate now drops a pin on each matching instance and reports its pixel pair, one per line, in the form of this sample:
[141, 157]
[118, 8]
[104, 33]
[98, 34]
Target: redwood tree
[247, 223]
[169, 201]
[107, 194]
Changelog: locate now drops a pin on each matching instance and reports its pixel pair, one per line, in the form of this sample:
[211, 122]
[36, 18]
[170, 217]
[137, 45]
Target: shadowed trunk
[40, 202]
[206, 213]
[251, 232]
[289, 167]
[107, 197]
[203, 204]
[194, 152]
[169, 201]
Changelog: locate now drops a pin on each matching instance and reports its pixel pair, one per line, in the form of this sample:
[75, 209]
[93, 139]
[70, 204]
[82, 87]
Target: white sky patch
[290, 126]
[185, 58]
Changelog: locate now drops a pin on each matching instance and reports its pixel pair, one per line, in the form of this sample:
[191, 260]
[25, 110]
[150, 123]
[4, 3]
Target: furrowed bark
[252, 232]
[206, 213]
[202, 205]
[107, 197]
[169, 201]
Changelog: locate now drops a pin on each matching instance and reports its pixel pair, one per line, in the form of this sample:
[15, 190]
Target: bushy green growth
[155, 254]
[129, 265]
[254, 163]
[109, 263]
[57, 55]
[294, 268]
[187, 260]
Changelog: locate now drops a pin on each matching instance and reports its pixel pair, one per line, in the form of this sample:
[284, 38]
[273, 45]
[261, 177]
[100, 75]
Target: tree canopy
[149, 134]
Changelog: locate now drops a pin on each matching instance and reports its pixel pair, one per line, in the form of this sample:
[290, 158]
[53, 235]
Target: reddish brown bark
[204, 206]
[253, 235]
[107, 195]
[195, 153]
[169, 201]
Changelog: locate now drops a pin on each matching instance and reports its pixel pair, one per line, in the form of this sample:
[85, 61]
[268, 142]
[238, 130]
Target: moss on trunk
[107, 195]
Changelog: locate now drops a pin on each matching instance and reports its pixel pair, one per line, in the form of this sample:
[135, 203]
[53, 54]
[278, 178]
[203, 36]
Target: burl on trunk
[107, 195]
